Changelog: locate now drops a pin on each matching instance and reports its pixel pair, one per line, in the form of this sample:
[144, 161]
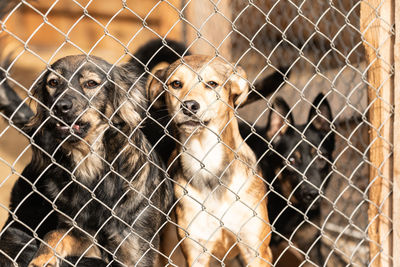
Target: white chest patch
[203, 156]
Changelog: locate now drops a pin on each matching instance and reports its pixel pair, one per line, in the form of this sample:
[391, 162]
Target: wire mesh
[310, 134]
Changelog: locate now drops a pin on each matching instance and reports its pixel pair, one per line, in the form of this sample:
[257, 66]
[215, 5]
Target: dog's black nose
[190, 107]
[63, 106]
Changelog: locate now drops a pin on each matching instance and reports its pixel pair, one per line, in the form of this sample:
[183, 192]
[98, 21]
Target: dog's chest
[88, 164]
[228, 204]
[203, 158]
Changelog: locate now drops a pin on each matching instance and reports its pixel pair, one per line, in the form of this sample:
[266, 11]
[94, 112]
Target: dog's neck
[208, 152]
[90, 158]
[87, 156]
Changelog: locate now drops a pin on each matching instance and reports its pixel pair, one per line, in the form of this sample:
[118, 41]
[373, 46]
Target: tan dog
[221, 207]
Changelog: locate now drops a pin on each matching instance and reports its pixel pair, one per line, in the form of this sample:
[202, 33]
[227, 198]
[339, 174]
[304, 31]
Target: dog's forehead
[200, 64]
[80, 64]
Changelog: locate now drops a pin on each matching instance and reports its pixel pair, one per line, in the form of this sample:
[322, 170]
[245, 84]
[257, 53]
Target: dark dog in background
[297, 170]
[11, 105]
[33, 209]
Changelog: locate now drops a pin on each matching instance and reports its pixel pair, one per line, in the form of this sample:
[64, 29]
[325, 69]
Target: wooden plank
[396, 140]
[85, 34]
[376, 18]
[208, 31]
[96, 8]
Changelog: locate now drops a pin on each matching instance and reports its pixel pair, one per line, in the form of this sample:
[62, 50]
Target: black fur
[34, 208]
[6, 6]
[156, 51]
[268, 85]
[288, 211]
[157, 122]
[11, 104]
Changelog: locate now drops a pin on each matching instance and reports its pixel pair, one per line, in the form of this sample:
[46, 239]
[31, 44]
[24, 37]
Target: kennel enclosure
[347, 49]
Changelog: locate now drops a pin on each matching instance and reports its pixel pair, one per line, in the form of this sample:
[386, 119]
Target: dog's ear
[38, 92]
[268, 85]
[155, 89]
[128, 99]
[320, 116]
[276, 125]
[239, 86]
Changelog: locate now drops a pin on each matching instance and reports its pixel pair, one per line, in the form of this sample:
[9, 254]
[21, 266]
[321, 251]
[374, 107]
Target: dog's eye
[176, 84]
[91, 84]
[292, 160]
[212, 84]
[53, 82]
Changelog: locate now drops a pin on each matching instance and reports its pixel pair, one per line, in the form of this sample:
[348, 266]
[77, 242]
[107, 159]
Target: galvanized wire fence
[311, 150]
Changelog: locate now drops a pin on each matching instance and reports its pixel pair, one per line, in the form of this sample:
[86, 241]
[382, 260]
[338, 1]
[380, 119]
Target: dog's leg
[63, 244]
[256, 235]
[261, 257]
[170, 246]
[198, 245]
[193, 252]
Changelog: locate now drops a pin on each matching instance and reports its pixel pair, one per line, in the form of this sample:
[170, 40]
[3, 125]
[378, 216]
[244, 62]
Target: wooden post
[209, 28]
[396, 140]
[376, 25]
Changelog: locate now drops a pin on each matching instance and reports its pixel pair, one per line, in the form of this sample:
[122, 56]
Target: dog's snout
[63, 106]
[190, 107]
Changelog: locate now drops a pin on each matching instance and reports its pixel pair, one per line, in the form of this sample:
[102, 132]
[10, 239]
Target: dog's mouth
[79, 128]
[192, 124]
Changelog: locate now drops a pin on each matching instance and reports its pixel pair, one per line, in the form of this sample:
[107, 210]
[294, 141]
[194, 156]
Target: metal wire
[321, 45]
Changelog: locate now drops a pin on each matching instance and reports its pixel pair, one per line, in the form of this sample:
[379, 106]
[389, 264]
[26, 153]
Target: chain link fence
[309, 120]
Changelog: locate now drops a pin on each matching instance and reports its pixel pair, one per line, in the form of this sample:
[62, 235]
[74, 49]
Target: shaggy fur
[114, 177]
[103, 181]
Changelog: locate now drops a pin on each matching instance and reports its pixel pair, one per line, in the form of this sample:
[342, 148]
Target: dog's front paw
[44, 261]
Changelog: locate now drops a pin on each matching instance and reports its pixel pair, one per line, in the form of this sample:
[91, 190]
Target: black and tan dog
[221, 205]
[108, 188]
[298, 169]
[92, 179]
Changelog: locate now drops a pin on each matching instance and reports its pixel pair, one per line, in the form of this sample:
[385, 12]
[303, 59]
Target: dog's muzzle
[190, 107]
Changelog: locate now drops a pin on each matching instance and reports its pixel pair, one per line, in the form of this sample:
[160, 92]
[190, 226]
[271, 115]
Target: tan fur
[88, 75]
[127, 113]
[63, 244]
[286, 187]
[52, 75]
[231, 218]
[88, 153]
